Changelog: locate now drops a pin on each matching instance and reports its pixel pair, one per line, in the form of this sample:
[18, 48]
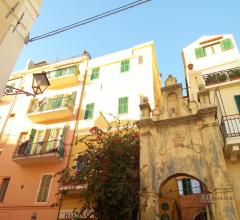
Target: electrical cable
[88, 20]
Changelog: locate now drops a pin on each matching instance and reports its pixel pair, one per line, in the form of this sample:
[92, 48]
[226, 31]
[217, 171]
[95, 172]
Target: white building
[213, 63]
[116, 82]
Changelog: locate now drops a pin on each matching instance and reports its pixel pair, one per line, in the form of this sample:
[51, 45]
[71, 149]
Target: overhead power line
[88, 20]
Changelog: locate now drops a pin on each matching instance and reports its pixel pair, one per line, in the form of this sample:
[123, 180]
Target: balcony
[222, 76]
[40, 153]
[70, 182]
[63, 77]
[230, 129]
[50, 109]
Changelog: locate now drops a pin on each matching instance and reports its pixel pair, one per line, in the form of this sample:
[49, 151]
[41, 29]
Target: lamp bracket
[9, 90]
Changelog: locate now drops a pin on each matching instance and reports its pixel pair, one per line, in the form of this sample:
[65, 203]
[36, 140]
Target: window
[63, 72]
[95, 73]
[44, 188]
[45, 141]
[188, 186]
[80, 163]
[125, 66]
[57, 101]
[89, 111]
[123, 105]
[226, 44]
[53, 138]
[199, 52]
[3, 188]
[22, 142]
[212, 49]
[237, 100]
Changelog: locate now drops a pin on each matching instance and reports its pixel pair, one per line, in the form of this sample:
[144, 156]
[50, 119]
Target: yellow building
[114, 85]
[16, 19]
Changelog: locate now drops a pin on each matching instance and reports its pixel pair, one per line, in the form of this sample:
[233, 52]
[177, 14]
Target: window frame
[124, 109]
[199, 55]
[212, 47]
[95, 73]
[224, 47]
[86, 116]
[237, 102]
[4, 190]
[188, 189]
[39, 187]
[125, 65]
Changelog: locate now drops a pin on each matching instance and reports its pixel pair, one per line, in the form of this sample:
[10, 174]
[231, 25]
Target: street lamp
[39, 85]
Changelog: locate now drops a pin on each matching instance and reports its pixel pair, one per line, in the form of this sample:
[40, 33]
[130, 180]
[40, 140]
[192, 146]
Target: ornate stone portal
[182, 137]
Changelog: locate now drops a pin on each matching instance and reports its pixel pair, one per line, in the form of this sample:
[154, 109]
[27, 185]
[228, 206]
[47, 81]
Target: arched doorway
[202, 215]
[181, 198]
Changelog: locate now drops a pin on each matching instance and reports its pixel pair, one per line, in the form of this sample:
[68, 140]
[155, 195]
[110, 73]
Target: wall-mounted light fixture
[39, 85]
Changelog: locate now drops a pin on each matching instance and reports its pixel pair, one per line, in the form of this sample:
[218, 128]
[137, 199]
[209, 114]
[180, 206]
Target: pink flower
[93, 130]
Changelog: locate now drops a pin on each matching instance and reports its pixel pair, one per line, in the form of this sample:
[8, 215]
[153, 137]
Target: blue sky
[171, 24]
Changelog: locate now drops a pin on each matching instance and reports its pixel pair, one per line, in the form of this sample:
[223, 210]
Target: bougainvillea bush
[110, 169]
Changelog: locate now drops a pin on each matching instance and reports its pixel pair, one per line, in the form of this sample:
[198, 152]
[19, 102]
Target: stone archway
[181, 197]
[181, 137]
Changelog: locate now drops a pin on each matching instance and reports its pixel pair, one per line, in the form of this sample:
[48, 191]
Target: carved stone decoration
[145, 108]
[178, 141]
[170, 80]
[155, 114]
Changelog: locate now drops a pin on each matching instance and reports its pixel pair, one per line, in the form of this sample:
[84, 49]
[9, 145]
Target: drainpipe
[85, 53]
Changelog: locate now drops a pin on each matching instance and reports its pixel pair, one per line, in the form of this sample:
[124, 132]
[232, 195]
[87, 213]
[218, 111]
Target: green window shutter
[199, 52]
[57, 101]
[63, 133]
[187, 187]
[73, 96]
[44, 188]
[95, 73]
[62, 139]
[72, 69]
[237, 100]
[31, 140]
[52, 139]
[226, 44]
[58, 72]
[125, 66]
[89, 111]
[123, 105]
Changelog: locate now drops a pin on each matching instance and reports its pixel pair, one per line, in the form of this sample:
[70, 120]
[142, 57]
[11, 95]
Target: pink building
[36, 137]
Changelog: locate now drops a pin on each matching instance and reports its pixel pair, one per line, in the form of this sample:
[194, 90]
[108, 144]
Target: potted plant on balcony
[234, 74]
[221, 77]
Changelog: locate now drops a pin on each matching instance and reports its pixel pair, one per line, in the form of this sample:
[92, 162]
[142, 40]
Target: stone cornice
[202, 113]
[172, 87]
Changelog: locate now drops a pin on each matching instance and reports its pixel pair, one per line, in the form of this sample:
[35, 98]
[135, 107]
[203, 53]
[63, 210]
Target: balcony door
[38, 143]
[54, 138]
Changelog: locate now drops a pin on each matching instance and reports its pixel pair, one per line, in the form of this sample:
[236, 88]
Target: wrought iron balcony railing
[52, 103]
[40, 148]
[222, 76]
[230, 126]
